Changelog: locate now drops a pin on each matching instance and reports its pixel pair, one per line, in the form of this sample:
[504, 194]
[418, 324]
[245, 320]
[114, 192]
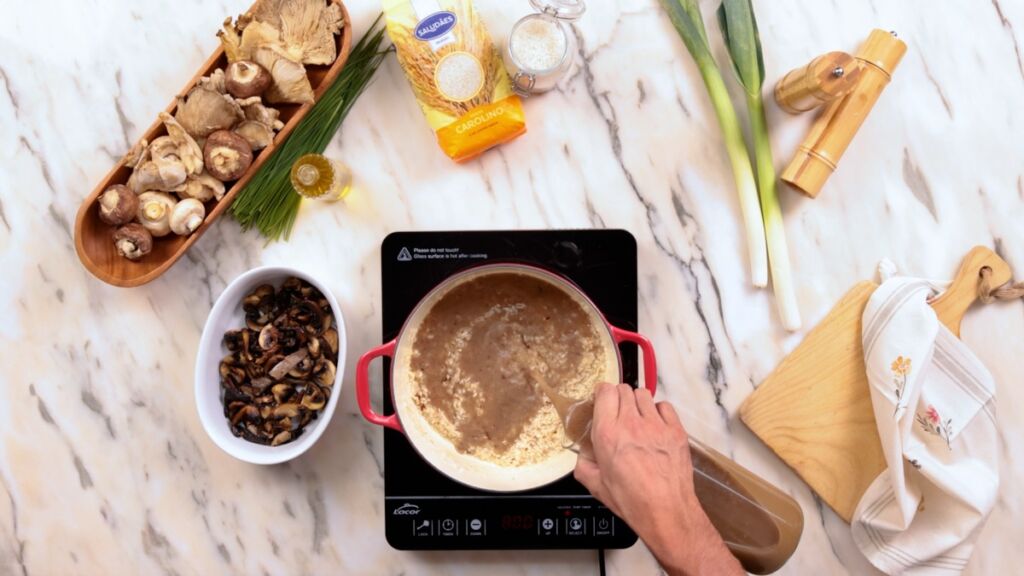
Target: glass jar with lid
[541, 47]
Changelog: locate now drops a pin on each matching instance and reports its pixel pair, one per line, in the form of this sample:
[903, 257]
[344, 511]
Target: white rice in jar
[538, 44]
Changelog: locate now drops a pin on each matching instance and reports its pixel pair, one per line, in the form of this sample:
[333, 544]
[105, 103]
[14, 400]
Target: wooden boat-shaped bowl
[94, 239]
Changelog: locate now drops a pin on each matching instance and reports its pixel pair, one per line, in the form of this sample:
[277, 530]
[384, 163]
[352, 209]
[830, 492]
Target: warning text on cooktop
[409, 254]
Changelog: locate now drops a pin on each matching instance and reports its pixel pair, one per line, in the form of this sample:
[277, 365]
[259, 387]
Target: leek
[739, 28]
[686, 17]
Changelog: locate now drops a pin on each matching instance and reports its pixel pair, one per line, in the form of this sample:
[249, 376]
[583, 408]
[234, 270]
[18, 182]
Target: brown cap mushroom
[245, 79]
[133, 241]
[227, 155]
[118, 205]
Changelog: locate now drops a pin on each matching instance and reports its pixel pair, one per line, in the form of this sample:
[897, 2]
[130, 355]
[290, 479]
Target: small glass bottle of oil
[318, 177]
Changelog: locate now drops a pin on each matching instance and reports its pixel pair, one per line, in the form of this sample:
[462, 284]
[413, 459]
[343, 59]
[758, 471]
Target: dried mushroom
[118, 205]
[167, 162]
[255, 111]
[256, 134]
[134, 156]
[216, 81]
[290, 83]
[259, 42]
[260, 125]
[133, 241]
[227, 155]
[280, 368]
[245, 79]
[205, 110]
[165, 174]
[307, 27]
[203, 187]
[188, 152]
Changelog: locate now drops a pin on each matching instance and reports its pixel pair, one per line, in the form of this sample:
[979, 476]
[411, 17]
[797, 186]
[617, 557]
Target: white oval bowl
[227, 315]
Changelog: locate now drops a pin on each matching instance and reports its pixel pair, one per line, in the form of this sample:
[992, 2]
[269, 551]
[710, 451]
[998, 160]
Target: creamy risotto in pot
[477, 356]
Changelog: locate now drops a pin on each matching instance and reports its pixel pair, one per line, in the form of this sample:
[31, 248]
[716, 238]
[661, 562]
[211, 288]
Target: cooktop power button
[604, 526]
[567, 255]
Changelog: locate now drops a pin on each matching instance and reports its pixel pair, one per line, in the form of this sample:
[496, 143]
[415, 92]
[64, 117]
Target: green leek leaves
[685, 16]
[759, 204]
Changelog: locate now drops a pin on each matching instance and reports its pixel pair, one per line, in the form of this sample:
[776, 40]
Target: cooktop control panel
[468, 523]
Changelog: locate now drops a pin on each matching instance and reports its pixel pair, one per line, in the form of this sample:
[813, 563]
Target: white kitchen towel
[933, 404]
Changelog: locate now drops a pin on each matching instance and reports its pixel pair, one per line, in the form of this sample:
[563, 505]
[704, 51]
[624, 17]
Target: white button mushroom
[155, 212]
[187, 216]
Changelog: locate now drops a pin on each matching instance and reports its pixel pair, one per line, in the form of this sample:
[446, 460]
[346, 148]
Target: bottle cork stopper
[826, 78]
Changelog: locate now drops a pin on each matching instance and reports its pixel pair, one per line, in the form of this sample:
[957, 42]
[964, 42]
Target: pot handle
[647, 349]
[363, 386]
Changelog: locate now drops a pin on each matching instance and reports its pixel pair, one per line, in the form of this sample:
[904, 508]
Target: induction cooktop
[426, 510]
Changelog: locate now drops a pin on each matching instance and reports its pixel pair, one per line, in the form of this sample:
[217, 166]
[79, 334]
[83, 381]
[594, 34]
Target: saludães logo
[406, 510]
[436, 25]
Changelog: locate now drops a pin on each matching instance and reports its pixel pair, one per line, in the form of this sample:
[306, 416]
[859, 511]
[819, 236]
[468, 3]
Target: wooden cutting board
[814, 410]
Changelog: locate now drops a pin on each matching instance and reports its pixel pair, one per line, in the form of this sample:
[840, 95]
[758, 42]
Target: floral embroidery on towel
[900, 368]
[931, 422]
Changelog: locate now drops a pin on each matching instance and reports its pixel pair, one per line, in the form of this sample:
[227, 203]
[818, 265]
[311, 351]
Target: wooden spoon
[576, 415]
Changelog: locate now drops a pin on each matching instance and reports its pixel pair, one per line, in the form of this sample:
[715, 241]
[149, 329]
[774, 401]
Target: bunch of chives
[268, 202]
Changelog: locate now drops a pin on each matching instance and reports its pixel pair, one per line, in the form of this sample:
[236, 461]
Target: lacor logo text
[435, 25]
[406, 510]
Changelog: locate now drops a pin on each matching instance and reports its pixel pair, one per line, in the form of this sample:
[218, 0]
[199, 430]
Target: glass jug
[760, 524]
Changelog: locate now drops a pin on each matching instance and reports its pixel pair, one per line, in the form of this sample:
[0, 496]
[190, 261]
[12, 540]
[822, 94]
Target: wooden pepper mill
[820, 152]
[828, 77]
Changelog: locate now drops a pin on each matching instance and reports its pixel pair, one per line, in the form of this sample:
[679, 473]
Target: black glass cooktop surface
[426, 510]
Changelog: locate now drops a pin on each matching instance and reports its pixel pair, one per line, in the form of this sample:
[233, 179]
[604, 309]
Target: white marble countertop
[104, 467]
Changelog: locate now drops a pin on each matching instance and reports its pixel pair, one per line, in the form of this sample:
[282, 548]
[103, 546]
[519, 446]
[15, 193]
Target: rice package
[456, 73]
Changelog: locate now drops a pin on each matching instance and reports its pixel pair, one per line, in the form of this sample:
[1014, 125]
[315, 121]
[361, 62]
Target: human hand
[638, 464]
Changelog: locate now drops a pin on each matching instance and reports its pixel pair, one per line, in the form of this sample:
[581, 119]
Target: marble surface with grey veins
[104, 466]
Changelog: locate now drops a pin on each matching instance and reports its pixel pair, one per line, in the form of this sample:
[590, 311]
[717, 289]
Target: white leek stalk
[739, 27]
